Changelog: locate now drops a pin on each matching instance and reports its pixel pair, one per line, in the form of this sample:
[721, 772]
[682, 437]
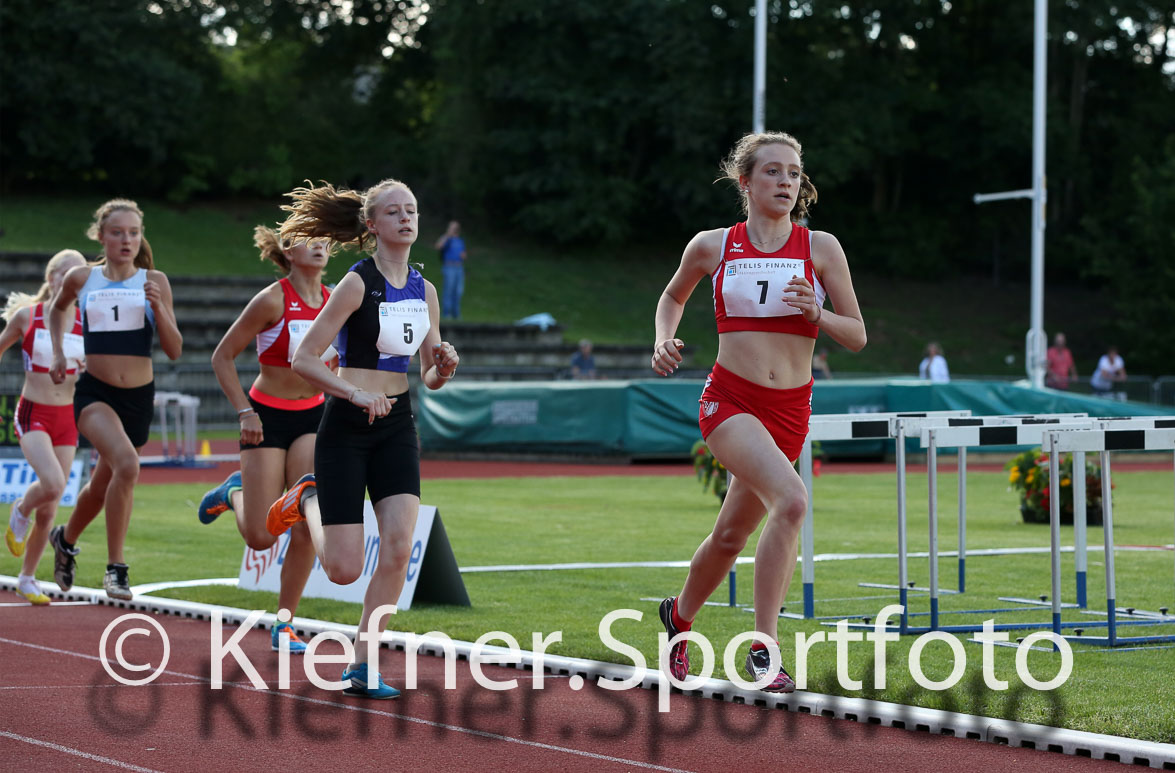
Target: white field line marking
[349, 707]
[76, 752]
[744, 560]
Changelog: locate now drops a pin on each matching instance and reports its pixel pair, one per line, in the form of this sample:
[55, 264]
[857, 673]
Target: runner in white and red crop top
[43, 419]
[280, 415]
[770, 276]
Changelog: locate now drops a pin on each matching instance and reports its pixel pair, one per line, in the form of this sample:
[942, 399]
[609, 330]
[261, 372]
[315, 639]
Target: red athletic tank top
[276, 345]
[749, 285]
[37, 350]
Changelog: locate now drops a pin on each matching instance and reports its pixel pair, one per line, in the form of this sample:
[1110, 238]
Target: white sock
[28, 584]
[19, 523]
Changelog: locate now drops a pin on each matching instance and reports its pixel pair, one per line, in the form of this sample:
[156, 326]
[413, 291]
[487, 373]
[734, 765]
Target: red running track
[434, 469]
[59, 710]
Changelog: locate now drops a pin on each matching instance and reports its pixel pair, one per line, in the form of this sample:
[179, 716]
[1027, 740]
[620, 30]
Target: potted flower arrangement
[709, 470]
[1028, 473]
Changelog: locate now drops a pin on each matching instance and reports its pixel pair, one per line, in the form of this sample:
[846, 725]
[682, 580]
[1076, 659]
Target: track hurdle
[1160, 435]
[916, 426]
[856, 426]
[1031, 431]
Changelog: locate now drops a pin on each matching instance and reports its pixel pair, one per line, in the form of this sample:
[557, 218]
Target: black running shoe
[63, 559]
[117, 582]
[678, 655]
[759, 665]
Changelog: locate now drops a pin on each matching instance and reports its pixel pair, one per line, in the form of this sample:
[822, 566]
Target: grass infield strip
[991, 730]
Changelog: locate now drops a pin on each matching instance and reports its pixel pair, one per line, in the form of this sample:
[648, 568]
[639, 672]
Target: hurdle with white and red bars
[1036, 432]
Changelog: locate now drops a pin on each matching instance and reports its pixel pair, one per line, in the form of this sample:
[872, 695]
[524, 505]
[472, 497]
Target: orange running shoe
[286, 511]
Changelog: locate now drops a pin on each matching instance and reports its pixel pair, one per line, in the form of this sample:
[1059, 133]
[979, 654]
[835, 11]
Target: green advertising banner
[655, 418]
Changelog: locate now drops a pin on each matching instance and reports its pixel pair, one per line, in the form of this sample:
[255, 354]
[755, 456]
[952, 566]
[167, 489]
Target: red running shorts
[783, 412]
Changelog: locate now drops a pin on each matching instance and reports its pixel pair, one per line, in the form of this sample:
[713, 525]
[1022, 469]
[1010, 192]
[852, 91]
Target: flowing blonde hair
[17, 301]
[741, 162]
[338, 214]
[273, 247]
[144, 259]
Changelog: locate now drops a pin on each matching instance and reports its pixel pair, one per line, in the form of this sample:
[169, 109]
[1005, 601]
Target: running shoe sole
[217, 501]
[286, 511]
[63, 561]
[15, 547]
[666, 612]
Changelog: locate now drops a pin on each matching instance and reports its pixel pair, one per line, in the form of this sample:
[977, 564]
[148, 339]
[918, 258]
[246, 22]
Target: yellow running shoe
[32, 593]
[15, 546]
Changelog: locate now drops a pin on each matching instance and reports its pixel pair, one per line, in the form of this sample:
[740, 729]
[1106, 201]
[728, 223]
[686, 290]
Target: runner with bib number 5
[380, 315]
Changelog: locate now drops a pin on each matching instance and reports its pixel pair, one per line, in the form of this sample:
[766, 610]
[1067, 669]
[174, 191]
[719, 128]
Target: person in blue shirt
[583, 364]
[453, 254]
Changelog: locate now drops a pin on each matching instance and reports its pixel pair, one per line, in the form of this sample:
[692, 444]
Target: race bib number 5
[402, 327]
[111, 310]
[756, 287]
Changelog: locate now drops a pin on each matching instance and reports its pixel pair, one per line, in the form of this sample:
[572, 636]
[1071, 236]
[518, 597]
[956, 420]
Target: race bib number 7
[756, 287]
[402, 327]
[111, 310]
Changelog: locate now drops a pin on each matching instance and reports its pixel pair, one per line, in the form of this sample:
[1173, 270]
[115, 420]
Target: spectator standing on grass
[453, 255]
[1060, 368]
[280, 414]
[770, 276]
[820, 368]
[934, 366]
[583, 364]
[124, 302]
[44, 420]
[381, 314]
[1111, 370]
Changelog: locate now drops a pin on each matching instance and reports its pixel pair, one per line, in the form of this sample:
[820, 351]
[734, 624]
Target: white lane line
[376, 712]
[76, 752]
[54, 604]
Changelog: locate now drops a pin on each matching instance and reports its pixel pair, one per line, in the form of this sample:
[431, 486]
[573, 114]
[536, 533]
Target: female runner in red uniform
[280, 415]
[770, 276]
[44, 419]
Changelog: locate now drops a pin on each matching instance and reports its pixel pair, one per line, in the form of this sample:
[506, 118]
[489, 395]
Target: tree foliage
[603, 123]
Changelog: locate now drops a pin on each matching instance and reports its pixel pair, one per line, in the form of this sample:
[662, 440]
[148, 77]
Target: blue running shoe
[297, 646]
[358, 677]
[219, 499]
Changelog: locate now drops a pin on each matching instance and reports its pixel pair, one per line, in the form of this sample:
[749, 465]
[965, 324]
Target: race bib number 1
[109, 311]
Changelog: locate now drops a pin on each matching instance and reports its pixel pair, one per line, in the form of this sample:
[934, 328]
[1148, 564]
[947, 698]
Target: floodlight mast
[1034, 341]
[758, 118]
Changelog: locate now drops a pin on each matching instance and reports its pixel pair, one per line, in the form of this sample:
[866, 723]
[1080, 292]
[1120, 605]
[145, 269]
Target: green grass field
[606, 519]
